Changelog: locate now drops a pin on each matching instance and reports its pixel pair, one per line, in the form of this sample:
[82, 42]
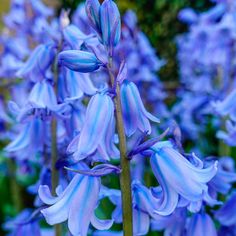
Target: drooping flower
[75, 204]
[179, 177]
[74, 37]
[21, 225]
[97, 134]
[135, 116]
[201, 224]
[39, 61]
[41, 102]
[30, 137]
[173, 224]
[228, 136]
[110, 23]
[80, 61]
[141, 207]
[225, 176]
[74, 85]
[226, 107]
[226, 215]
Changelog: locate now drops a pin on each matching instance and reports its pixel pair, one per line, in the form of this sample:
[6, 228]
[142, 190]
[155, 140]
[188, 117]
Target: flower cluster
[85, 109]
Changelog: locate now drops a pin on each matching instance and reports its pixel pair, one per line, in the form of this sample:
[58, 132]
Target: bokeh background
[157, 18]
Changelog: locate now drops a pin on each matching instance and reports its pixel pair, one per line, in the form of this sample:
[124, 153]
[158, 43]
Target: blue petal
[226, 215]
[201, 224]
[92, 9]
[170, 196]
[101, 224]
[74, 37]
[39, 61]
[83, 205]
[99, 113]
[180, 175]
[43, 96]
[141, 222]
[59, 212]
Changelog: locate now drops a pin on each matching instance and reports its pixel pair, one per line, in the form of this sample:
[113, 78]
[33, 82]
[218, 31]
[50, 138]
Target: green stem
[54, 150]
[125, 179]
[15, 188]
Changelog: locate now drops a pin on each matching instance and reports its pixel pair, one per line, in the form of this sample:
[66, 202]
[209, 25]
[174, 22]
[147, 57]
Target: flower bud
[92, 9]
[80, 61]
[110, 23]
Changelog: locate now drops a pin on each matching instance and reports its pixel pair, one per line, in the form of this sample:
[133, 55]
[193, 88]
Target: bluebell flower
[39, 61]
[97, 133]
[80, 61]
[27, 140]
[135, 116]
[141, 208]
[22, 226]
[93, 12]
[9, 66]
[173, 224]
[226, 107]
[110, 23]
[178, 177]
[74, 37]
[75, 204]
[225, 177]
[228, 136]
[41, 102]
[201, 224]
[130, 19]
[74, 85]
[226, 215]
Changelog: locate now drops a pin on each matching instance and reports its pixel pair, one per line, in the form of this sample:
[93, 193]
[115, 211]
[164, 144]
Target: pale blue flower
[76, 204]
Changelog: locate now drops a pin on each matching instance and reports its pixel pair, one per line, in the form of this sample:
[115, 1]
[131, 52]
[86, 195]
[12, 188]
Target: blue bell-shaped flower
[75, 204]
[135, 116]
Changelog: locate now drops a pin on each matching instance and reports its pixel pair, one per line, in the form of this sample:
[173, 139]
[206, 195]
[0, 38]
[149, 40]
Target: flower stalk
[125, 178]
[54, 149]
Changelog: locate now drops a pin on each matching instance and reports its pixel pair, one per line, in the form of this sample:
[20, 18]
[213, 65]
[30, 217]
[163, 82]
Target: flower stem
[54, 150]
[16, 190]
[125, 179]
